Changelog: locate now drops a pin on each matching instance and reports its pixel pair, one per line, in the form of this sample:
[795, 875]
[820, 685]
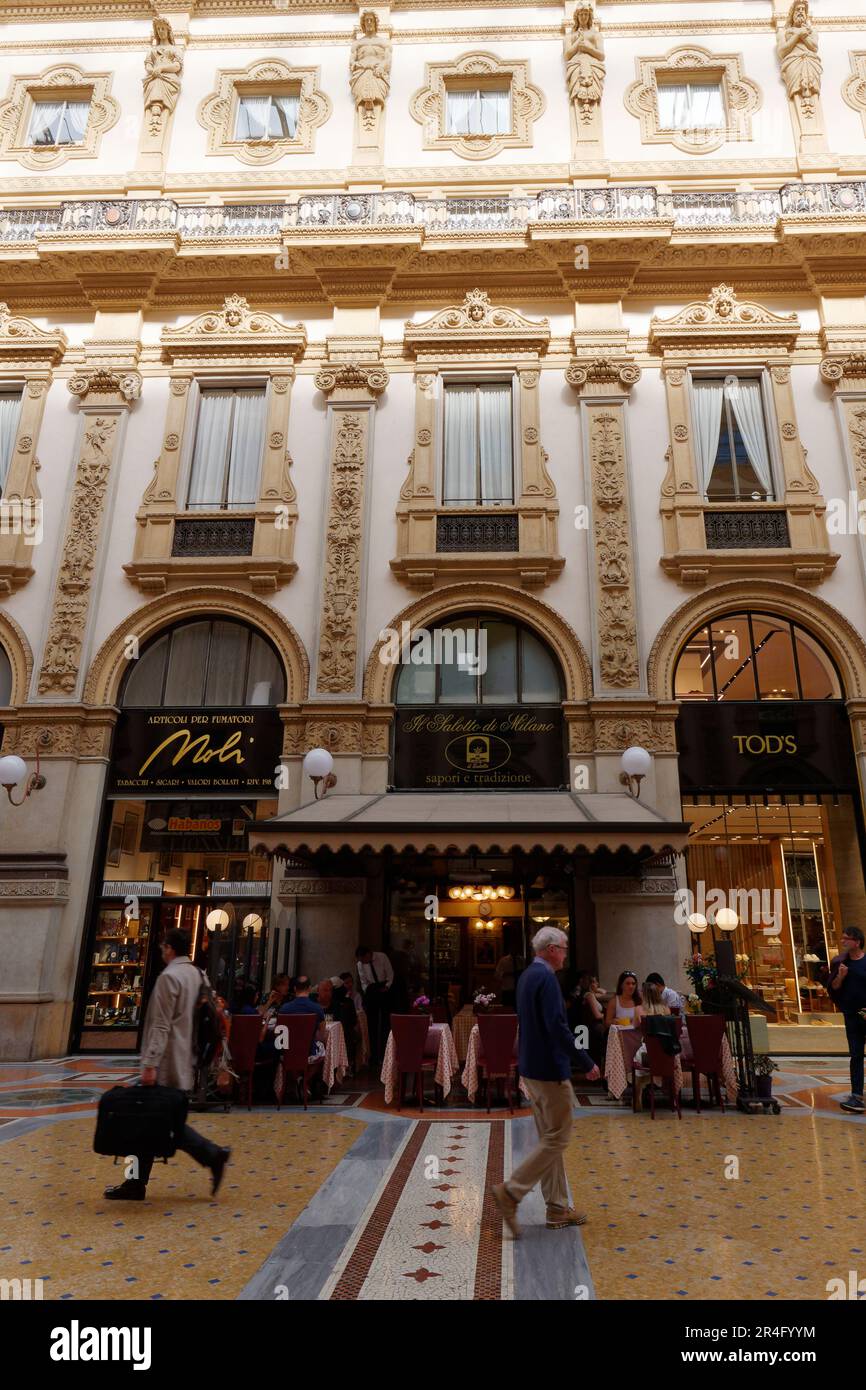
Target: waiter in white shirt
[376, 976]
[671, 997]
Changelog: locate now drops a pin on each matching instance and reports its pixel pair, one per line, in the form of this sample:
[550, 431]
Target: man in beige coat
[167, 1059]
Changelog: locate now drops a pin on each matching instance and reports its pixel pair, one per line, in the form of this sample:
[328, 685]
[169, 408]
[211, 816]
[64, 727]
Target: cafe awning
[462, 822]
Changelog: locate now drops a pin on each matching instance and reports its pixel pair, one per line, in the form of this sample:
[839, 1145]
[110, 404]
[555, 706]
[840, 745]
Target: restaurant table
[623, 1043]
[336, 1059]
[470, 1071]
[462, 1026]
[439, 1043]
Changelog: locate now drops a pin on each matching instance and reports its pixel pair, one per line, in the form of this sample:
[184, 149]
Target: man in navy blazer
[547, 1051]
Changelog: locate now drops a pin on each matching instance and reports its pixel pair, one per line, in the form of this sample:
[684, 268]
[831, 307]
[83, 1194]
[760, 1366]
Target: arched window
[203, 664]
[478, 660]
[5, 679]
[755, 656]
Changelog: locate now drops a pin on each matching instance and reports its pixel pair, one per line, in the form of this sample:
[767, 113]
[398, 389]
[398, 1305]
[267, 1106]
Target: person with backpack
[179, 1021]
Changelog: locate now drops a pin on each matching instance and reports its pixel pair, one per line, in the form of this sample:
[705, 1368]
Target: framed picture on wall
[130, 833]
[196, 883]
[164, 863]
[485, 951]
[261, 869]
[237, 871]
[89, 1015]
[115, 845]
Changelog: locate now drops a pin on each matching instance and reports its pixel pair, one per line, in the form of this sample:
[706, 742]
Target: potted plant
[421, 1005]
[483, 1002]
[764, 1068]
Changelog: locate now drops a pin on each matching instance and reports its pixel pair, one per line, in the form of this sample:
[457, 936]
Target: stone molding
[19, 890]
[320, 887]
[473, 327]
[721, 322]
[742, 98]
[632, 887]
[17, 648]
[428, 105]
[16, 112]
[217, 113]
[60, 732]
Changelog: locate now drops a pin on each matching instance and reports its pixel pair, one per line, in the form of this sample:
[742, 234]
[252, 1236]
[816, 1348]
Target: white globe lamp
[635, 763]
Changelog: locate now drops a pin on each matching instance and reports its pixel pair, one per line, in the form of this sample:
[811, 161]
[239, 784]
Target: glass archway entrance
[770, 790]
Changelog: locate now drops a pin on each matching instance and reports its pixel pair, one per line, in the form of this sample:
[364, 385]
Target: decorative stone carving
[585, 71]
[108, 384]
[367, 378]
[163, 66]
[428, 105]
[604, 373]
[63, 647]
[801, 68]
[17, 110]
[742, 98]
[477, 321]
[854, 87]
[611, 530]
[266, 77]
[370, 81]
[614, 735]
[321, 887]
[845, 371]
[724, 317]
[338, 640]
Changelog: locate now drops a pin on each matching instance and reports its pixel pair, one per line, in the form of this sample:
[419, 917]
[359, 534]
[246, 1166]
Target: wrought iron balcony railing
[433, 217]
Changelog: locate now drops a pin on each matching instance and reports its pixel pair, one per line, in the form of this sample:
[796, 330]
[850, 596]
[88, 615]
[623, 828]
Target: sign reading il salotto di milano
[169, 751]
[478, 747]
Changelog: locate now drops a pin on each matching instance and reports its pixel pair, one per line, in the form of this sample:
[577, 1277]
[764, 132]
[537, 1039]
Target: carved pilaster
[163, 67]
[370, 82]
[105, 396]
[611, 549]
[585, 71]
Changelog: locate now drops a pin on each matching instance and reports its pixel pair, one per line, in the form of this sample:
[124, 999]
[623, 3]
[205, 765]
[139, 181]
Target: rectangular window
[691, 106]
[479, 464]
[268, 117]
[10, 411]
[731, 439]
[59, 122]
[478, 111]
[227, 454]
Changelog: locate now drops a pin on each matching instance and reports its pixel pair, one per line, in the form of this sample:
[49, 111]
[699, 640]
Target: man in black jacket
[547, 1050]
[848, 984]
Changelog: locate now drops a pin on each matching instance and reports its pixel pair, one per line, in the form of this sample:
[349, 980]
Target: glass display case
[117, 973]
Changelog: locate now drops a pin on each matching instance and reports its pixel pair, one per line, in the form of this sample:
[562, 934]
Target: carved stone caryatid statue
[370, 79]
[585, 72]
[801, 66]
[163, 66]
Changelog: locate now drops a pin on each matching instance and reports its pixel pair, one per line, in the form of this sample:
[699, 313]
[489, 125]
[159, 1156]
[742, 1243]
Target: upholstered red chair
[706, 1032]
[658, 1063]
[440, 1012]
[497, 1035]
[247, 1032]
[295, 1056]
[410, 1033]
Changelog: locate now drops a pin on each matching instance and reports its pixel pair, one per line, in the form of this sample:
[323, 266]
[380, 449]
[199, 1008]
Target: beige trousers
[552, 1109]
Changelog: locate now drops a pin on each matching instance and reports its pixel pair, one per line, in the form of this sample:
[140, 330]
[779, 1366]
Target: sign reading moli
[767, 746]
[478, 747]
[174, 751]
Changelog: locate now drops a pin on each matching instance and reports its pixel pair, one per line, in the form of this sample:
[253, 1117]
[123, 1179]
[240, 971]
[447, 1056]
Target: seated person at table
[653, 1001]
[345, 1012]
[671, 997]
[592, 1015]
[247, 1000]
[279, 994]
[303, 1004]
[624, 1010]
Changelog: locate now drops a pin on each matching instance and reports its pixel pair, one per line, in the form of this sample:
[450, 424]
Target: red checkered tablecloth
[462, 1026]
[336, 1059]
[439, 1043]
[470, 1071]
[623, 1043]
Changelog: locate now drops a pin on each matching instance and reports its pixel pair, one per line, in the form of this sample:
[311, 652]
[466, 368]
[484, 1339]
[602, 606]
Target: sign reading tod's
[478, 747]
[187, 751]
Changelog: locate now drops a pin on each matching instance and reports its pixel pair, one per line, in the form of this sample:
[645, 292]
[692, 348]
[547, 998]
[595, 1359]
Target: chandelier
[480, 893]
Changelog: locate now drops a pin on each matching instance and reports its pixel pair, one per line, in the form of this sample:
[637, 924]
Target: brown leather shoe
[508, 1207]
[560, 1217]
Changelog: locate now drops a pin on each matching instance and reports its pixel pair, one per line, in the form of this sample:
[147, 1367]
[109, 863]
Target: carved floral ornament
[854, 87]
[53, 84]
[723, 319]
[233, 330]
[741, 96]
[22, 342]
[841, 372]
[616, 374]
[429, 104]
[371, 378]
[477, 324]
[218, 112]
[102, 382]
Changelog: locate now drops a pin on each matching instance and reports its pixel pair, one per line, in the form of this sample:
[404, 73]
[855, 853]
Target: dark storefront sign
[478, 747]
[195, 752]
[768, 746]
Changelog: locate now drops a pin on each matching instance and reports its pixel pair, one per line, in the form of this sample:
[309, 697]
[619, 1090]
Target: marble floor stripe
[549, 1266]
[488, 1270]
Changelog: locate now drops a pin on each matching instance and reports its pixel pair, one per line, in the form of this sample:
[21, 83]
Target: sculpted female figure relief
[585, 67]
[370, 71]
[163, 66]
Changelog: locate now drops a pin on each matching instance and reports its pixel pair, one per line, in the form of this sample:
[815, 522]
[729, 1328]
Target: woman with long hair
[625, 1009]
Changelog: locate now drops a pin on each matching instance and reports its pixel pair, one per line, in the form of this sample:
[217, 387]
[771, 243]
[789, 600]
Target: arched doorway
[770, 791]
[193, 762]
[478, 708]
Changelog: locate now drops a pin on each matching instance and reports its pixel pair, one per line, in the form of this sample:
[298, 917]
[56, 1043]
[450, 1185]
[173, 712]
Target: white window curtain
[209, 454]
[74, 123]
[246, 449]
[673, 105]
[460, 446]
[708, 399]
[457, 122]
[45, 122]
[268, 117]
[10, 409]
[494, 427]
[253, 118]
[284, 117]
[745, 400]
[690, 106]
[478, 112]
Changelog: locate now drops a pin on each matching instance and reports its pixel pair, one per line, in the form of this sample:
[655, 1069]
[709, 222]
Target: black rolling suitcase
[140, 1120]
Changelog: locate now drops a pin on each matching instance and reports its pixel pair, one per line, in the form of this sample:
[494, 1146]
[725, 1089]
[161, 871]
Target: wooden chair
[247, 1032]
[410, 1033]
[706, 1032]
[497, 1034]
[295, 1057]
[658, 1063]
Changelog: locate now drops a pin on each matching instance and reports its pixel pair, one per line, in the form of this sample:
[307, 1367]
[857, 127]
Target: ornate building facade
[332, 329]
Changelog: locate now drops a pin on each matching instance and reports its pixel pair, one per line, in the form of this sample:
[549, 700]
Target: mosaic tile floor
[351, 1201]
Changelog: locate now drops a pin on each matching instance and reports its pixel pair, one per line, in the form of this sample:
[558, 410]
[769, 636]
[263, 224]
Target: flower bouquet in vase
[483, 1003]
[421, 1005]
